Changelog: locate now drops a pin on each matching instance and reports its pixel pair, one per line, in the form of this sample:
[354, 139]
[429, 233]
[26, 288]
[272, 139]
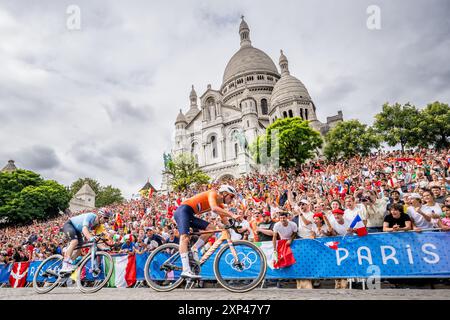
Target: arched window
[213, 143]
[290, 113]
[210, 105]
[306, 114]
[236, 149]
[301, 113]
[194, 150]
[284, 114]
[264, 109]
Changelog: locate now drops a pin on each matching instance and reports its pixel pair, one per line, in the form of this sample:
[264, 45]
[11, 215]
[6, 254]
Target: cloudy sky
[101, 101]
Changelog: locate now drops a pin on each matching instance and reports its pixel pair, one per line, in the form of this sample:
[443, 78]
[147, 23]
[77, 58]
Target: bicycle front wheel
[91, 278]
[46, 276]
[163, 268]
[240, 267]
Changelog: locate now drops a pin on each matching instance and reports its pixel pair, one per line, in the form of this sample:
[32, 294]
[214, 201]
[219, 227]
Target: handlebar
[99, 238]
[233, 225]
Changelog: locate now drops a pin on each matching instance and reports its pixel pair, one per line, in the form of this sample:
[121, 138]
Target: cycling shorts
[185, 218]
[72, 233]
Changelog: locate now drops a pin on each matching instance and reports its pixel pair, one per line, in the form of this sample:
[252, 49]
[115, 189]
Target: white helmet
[227, 188]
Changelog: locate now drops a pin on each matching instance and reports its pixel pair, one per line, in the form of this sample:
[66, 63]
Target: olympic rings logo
[246, 260]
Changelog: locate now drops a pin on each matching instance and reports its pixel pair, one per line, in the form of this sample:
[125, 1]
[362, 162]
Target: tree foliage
[104, 196]
[350, 138]
[296, 142]
[434, 125]
[25, 196]
[184, 172]
[397, 124]
[108, 195]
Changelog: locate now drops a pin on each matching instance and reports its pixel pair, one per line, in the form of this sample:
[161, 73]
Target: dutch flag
[359, 226]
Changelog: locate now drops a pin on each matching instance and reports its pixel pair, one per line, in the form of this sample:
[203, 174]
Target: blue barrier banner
[389, 255]
[32, 270]
[5, 271]
[140, 264]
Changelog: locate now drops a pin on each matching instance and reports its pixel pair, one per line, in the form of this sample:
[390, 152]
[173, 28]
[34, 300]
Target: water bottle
[78, 259]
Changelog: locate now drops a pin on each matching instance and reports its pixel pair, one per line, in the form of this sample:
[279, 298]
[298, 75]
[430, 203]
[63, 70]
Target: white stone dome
[180, 118]
[248, 59]
[288, 88]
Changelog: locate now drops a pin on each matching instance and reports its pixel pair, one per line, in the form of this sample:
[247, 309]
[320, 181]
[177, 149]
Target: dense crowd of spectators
[390, 191]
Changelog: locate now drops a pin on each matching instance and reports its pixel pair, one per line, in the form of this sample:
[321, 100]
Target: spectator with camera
[376, 210]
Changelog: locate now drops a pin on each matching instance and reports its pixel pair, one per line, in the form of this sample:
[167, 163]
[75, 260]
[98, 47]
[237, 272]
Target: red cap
[267, 213]
[338, 211]
[318, 214]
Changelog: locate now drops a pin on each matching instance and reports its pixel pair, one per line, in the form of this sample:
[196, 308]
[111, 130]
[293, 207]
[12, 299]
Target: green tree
[434, 125]
[397, 124]
[183, 172]
[108, 195]
[25, 196]
[296, 142]
[13, 182]
[350, 138]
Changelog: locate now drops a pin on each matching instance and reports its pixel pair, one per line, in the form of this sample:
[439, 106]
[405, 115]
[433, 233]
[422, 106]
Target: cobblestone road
[221, 294]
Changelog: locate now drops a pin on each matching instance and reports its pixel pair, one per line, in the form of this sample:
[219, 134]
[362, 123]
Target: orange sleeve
[212, 199]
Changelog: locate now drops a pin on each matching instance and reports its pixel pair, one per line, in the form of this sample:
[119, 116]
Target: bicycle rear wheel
[46, 276]
[91, 279]
[163, 268]
[244, 273]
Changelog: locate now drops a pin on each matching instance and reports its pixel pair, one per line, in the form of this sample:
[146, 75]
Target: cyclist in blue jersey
[75, 228]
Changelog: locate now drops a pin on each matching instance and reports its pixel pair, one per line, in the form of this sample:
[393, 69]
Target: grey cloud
[37, 158]
[221, 20]
[338, 89]
[123, 110]
[115, 86]
[103, 155]
[88, 154]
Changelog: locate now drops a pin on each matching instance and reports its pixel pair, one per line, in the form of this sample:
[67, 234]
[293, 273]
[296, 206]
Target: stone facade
[10, 167]
[84, 199]
[253, 94]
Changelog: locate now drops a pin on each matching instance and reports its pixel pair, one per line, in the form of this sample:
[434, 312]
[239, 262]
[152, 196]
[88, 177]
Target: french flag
[332, 245]
[359, 226]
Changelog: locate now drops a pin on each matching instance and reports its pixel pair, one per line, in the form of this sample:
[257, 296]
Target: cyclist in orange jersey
[185, 217]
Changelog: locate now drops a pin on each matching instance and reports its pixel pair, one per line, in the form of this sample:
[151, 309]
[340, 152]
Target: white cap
[415, 196]
[304, 201]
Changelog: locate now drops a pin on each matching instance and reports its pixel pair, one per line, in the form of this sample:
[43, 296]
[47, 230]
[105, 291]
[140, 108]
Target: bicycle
[163, 267]
[93, 270]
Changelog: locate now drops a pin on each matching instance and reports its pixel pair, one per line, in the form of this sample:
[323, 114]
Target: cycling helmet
[227, 188]
[104, 213]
